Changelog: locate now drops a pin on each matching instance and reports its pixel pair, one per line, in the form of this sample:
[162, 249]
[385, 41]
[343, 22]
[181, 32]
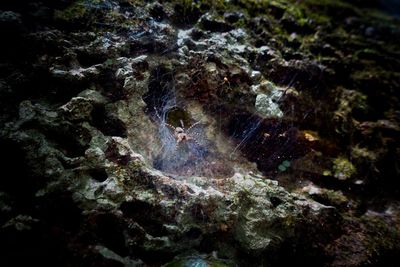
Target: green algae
[343, 169]
[188, 6]
[75, 11]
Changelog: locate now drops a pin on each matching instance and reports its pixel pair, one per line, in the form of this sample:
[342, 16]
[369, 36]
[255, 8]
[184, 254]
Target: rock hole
[185, 147]
[186, 14]
[86, 59]
[107, 230]
[63, 139]
[99, 175]
[108, 123]
[146, 215]
[193, 233]
[110, 87]
[176, 115]
[275, 201]
[182, 152]
[157, 12]
[277, 12]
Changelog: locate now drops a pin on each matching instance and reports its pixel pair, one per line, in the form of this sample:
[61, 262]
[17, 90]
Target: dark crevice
[60, 210]
[107, 123]
[147, 216]
[108, 230]
[99, 175]
[186, 14]
[160, 88]
[275, 201]
[13, 164]
[63, 139]
[274, 140]
[109, 86]
[86, 59]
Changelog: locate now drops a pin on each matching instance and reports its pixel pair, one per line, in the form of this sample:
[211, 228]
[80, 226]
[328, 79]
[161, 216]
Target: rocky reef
[200, 133]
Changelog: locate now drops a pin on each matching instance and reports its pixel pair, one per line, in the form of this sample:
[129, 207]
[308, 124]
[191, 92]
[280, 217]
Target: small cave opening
[186, 149]
[186, 146]
[99, 175]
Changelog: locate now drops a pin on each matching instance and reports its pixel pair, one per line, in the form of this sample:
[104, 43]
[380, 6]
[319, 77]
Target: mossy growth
[351, 104]
[381, 237]
[375, 72]
[363, 153]
[254, 7]
[343, 169]
[331, 7]
[191, 8]
[298, 13]
[77, 10]
[98, 14]
[335, 198]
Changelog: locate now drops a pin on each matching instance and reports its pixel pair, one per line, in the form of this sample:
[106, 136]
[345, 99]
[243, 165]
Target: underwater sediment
[199, 133]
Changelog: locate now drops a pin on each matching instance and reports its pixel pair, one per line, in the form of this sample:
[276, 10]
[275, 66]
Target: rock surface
[199, 133]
